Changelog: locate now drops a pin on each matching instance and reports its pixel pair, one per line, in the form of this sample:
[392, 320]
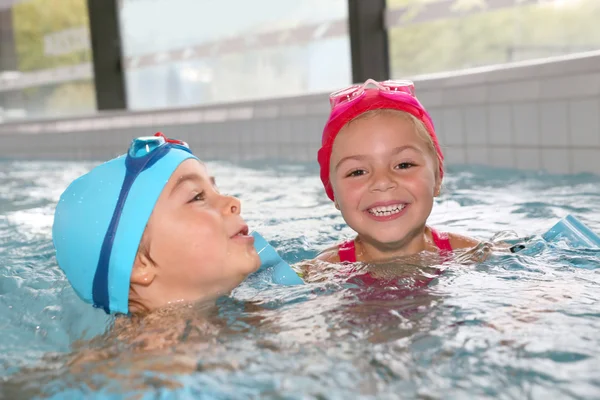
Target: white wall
[531, 115]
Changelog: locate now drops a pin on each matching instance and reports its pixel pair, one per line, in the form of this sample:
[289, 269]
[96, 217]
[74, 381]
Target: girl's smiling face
[384, 177]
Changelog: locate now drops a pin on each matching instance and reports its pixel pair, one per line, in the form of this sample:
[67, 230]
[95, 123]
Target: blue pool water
[515, 326]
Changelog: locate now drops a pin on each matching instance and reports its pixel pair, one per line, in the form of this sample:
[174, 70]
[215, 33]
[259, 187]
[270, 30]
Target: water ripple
[515, 326]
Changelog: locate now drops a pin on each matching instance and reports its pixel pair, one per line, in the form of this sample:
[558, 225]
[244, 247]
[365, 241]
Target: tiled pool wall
[530, 115]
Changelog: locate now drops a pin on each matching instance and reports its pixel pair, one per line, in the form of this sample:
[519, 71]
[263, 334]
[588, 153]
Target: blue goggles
[143, 153]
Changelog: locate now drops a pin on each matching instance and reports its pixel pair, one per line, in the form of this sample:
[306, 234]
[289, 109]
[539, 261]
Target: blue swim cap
[119, 196]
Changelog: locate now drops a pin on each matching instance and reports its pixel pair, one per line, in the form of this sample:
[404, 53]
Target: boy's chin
[255, 265]
[250, 265]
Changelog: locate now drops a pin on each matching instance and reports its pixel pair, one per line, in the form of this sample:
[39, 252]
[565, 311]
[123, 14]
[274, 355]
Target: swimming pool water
[515, 326]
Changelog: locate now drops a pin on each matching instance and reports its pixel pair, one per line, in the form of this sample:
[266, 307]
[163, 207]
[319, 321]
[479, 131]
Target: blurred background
[62, 60]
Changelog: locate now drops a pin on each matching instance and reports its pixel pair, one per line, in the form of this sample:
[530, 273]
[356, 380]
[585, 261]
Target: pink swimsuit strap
[441, 240]
[347, 249]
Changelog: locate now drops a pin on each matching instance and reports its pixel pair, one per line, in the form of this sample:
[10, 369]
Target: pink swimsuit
[347, 250]
[347, 253]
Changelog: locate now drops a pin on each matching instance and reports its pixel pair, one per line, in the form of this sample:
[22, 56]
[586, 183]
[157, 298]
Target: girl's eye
[406, 165]
[357, 172]
[198, 197]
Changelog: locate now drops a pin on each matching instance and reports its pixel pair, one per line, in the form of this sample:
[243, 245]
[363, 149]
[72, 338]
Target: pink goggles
[392, 89]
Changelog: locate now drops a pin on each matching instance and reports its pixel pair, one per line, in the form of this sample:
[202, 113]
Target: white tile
[320, 120]
[260, 151]
[429, 83]
[313, 148]
[526, 124]
[217, 133]
[314, 130]
[465, 95]
[510, 73]
[270, 130]
[308, 130]
[553, 121]
[553, 69]
[285, 126]
[264, 132]
[436, 116]
[479, 155]
[454, 155]
[300, 130]
[502, 157]
[570, 86]
[577, 65]
[466, 78]
[238, 113]
[584, 122]
[430, 98]
[293, 110]
[245, 133]
[586, 160]
[500, 124]
[453, 126]
[295, 152]
[556, 160]
[514, 91]
[527, 159]
[268, 111]
[259, 132]
[319, 107]
[476, 125]
[215, 115]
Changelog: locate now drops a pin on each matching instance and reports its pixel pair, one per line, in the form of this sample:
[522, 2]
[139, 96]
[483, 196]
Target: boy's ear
[144, 271]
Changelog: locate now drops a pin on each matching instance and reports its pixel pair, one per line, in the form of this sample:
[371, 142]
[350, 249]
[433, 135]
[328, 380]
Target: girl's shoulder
[461, 242]
[307, 269]
[330, 255]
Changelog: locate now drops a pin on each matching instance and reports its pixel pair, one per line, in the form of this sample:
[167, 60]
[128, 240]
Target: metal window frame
[368, 40]
[366, 26]
[107, 56]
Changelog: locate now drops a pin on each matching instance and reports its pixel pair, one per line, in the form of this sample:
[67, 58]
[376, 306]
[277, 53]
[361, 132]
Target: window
[45, 60]
[447, 35]
[189, 52]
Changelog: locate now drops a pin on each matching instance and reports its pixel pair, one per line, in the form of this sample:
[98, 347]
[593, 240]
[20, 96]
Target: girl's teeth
[387, 210]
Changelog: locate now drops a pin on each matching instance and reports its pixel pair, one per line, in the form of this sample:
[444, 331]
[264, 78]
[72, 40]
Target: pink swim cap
[371, 100]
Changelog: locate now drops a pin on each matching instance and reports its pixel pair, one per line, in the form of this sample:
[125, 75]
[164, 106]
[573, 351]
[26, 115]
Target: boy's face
[384, 179]
[198, 242]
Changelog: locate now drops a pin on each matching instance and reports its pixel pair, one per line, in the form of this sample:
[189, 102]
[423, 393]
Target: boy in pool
[382, 166]
[150, 229]
[147, 236]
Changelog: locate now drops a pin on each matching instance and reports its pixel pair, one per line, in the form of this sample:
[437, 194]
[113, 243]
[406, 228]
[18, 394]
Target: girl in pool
[382, 166]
